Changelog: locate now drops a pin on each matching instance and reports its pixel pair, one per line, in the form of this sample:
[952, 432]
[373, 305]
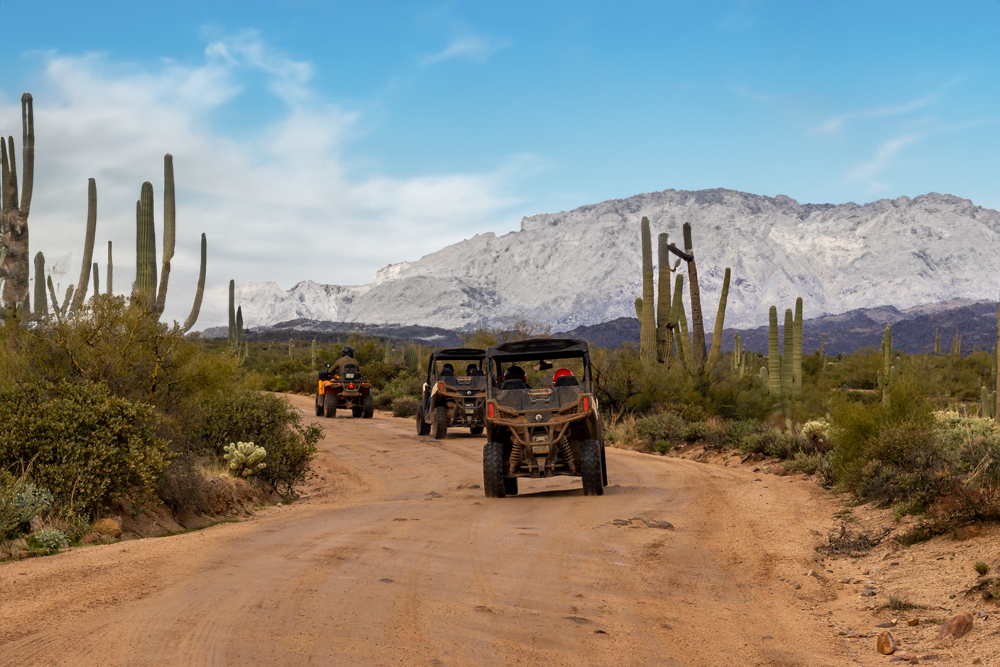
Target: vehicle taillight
[586, 408]
[351, 386]
[440, 386]
[491, 411]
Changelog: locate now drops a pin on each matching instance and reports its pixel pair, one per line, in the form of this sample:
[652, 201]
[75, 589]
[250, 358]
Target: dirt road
[393, 560]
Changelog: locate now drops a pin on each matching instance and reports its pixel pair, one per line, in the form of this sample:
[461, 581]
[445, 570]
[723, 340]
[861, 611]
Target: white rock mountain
[584, 266]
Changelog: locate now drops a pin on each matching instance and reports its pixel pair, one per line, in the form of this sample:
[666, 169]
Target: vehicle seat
[447, 370]
[513, 384]
[567, 381]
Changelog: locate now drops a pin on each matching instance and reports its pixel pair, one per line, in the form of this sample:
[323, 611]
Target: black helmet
[514, 372]
[348, 351]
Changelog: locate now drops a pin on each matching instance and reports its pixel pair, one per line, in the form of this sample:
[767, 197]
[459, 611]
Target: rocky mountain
[582, 267]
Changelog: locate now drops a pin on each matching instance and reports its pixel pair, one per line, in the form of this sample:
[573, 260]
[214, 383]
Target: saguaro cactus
[664, 325]
[787, 377]
[647, 321]
[41, 301]
[97, 280]
[145, 248]
[697, 323]
[232, 313]
[676, 315]
[720, 319]
[169, 230]
[885, 377]
[88, 247]
[14, 211]
[773, 353]
[797, 348]
[110, 284]
[200, 293]
[996, 414]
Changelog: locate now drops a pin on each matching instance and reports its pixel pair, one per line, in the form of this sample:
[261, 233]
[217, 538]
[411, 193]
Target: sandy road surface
[388, 562]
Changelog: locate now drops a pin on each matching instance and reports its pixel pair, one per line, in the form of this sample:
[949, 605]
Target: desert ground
[395, 557]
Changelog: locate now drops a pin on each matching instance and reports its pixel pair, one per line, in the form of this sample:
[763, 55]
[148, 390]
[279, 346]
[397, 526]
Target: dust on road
[394, 560]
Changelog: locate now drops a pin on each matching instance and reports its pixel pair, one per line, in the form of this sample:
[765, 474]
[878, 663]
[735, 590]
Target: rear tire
[510, 486]
[357, 411]
[423, 428]
[329, 406]
[319, 404]
[590, 465]
[476, 430]
[439, 422]
[493, 482]
[368, 407]
[604, 464]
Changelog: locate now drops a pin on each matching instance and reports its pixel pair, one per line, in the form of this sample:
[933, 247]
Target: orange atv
[350, 391]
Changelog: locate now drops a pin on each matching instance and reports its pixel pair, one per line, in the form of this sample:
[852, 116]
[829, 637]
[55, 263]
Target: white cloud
[837, 123]
[474, 48]
[884, 158]
[280, 206]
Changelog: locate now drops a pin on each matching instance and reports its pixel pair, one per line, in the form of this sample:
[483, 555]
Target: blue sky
[377, 132]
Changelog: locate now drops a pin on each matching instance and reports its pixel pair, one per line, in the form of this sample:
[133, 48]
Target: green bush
[665, 427]
[86, 446]
[404, 407]
[270, 422]
[20, 502]
[384, 401]
[982, 569]
[47, 541]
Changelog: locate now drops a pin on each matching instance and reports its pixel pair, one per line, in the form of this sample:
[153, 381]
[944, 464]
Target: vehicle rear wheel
[493, 482]
[510, 486]
[476, 430]
[604, 464]
[590, 465]
[439, 422]
[423, 428]
[330, 406]
[357, 411]
[319, 404]
[368, 407]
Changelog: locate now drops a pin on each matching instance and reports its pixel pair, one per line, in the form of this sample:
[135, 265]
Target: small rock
[890, 624]
[983, 615]
[886, 645]
[977, 661]
[968, 532]
[621, 522]
[867, 594]
[483, 608]
[988, 596]
[397, 519]
[473, 486]
[767, 637]
[951, 597]
[894, 562]
[845, 580]
[781, 578]
[956, 626]
[577, 619]
[866, 572]
[811, 573]
[600, 632]
[386, 580]
[913, 621]
[798, 586]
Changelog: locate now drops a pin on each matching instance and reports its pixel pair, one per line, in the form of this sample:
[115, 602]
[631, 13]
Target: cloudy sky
[323, 140]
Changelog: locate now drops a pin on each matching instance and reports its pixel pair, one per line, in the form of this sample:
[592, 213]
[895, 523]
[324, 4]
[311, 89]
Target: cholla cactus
[245, 458]
[818, 430]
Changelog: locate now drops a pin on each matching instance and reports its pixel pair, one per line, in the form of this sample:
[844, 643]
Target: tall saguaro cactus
[677, 315]
[145, 248]
[664, 325]
[697, 322]
[88, 247]
[14, 210]
[110, 283]
[720, 319]
[232, 313]
[169, 230]
[787, 379]
[647, 321]
[797, 348]
[773, 353]
[41, 301]
[885, 377]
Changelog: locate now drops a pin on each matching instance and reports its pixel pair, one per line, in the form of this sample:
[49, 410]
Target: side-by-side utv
[344, 390]
[545, 426]
[454, 394]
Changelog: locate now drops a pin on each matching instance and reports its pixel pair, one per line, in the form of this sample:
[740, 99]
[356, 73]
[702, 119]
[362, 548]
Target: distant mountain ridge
[583, 267]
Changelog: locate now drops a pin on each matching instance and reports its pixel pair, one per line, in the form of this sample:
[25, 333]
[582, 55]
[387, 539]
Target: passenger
[515, 373]
[559, 374]
[346, 358]
[447, 369]
[473, 370]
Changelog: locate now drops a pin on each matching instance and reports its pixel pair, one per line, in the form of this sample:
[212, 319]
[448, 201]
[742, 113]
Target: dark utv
[453, 397]
[550, 430]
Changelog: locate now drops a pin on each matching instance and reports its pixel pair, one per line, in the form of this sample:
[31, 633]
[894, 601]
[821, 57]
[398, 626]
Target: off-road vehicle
[454, 394]
[349, 390]
[543, 431]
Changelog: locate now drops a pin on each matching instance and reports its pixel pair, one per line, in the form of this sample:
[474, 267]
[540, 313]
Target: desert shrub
[182, 487]
[739, 432]
[814, 464]
[621, 430]
[47, 541]
[74, 524]
[86, 446]
[404, 406]
[20, 502]
[380, 373]
[981, 568]
[383, 401]
[663, 427]
[773, 442]
[271, 423]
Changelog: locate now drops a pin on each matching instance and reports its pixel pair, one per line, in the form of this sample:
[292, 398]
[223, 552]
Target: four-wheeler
[551, 429]
[347, 391]
[453, 396]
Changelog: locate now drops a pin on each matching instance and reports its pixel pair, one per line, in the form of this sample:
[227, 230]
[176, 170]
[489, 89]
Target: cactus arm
[647, 330]
[200, 293]
[97, 282]
[88, 246]
[239, 326]
[638, 310]
[55, 301]
[720, 318]
[169, 230]
[27, 152]
[66, 301]
[676, 312]
[773, 353]
[697, 322]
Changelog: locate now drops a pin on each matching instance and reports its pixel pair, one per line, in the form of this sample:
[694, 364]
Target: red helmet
[561, 373]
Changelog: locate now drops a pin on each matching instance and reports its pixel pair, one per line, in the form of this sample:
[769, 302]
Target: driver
[346, 358]
[515, 373]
